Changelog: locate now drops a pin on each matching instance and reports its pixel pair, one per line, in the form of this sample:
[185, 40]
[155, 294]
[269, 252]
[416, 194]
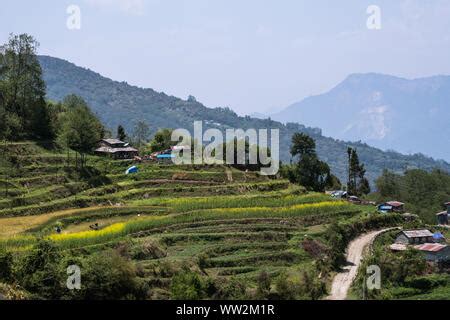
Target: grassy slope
[228, 229]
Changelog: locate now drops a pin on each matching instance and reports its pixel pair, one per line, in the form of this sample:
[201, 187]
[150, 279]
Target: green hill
[228, 226]
[120, 103]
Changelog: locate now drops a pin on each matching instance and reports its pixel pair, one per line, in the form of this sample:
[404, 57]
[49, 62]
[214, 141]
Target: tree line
[315, 175]
[25, 114]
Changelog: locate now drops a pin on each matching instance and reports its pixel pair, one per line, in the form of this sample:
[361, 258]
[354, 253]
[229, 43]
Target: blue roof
[165, 156]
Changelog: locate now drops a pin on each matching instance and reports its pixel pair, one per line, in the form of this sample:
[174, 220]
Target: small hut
[391, 206]
[414, 237]
[435, 252]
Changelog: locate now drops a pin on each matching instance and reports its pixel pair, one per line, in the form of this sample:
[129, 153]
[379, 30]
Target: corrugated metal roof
[398, 247]
[431, 247]
[114, 150]
[395, 203]
[113, 141]
[417, 233]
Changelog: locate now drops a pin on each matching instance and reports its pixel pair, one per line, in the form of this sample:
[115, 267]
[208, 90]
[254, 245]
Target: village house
[116, 149]
[414, 237]
[338, 194]
[391, 206]
[435, 252]
[443, 216]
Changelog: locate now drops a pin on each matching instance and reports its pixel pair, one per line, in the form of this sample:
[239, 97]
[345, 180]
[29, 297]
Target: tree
[188, 285]
[23, 90]
[357, 183]
[40, 271]
[109, 276]
[310, 172]
[141, 133]
[121, 135]
[81, 130]
[388, 185]
[162, 140]
[241, 160]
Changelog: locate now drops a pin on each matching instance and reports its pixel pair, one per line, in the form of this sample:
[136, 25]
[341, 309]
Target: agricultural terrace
[224, 223]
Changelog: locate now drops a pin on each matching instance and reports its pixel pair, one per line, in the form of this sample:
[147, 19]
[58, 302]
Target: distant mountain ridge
[385, 111]
[120, 103]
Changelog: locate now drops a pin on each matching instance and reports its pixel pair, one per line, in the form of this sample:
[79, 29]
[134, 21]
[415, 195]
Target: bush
[188, 285]
[427, 283]
[109, 276]
[40, 271]
[286, 289]
[264, 282]
[6, 264]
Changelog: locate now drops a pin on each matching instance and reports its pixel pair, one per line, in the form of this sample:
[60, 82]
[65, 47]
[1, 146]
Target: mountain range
[387, 112]
[120, 103]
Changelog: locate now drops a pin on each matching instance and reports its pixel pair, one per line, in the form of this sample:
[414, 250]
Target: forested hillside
[120, 103]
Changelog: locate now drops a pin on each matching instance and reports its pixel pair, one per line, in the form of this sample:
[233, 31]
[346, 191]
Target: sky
[249, 55]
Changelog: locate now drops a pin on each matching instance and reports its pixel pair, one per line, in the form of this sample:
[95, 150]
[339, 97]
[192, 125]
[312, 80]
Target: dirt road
[355, 251]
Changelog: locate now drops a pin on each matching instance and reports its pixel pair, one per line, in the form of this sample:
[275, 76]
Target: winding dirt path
[355, 251]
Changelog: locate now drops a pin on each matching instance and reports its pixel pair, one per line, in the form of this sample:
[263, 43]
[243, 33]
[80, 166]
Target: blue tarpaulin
[438, 236]
[165, 156]
[133, 169]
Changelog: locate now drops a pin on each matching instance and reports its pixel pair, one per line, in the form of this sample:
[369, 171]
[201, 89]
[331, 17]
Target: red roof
[395, 203]
[431, 247]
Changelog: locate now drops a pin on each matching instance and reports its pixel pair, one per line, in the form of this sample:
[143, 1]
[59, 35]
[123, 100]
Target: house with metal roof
[435, 252]
[116, 149]
[442, 217]
[391, 206]
[414, 237]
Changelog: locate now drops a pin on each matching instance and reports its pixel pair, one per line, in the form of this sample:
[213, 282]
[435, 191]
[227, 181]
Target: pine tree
[357, 183]
[121, 135]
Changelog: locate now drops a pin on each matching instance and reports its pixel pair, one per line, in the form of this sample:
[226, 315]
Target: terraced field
[224, 225]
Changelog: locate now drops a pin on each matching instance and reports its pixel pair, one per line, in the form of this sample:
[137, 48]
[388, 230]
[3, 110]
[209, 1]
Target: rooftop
[418, 233]
[395, 203]
[113, 141]
[398, 247]
[114, 150]
[431, 247]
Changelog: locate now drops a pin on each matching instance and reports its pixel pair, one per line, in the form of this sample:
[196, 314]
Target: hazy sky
[250, 55]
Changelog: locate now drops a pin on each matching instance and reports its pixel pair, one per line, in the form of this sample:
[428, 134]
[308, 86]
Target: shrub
[188, 285]
[264, 282]
[286, 289]
[40, 271]
[109, 276]
[6, 264]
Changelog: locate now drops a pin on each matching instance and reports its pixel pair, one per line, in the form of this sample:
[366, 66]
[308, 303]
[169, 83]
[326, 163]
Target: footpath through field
[355, 251]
